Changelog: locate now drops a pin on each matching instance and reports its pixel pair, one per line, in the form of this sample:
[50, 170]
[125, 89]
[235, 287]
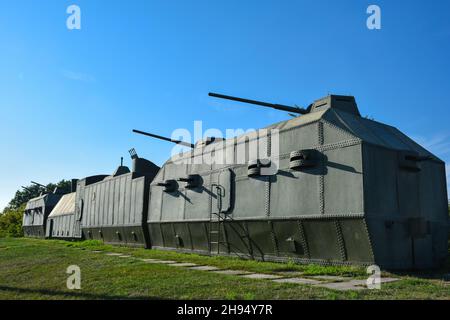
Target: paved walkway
[324, 281]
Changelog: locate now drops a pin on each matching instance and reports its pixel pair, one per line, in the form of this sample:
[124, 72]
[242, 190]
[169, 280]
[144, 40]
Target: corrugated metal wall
[113, 202]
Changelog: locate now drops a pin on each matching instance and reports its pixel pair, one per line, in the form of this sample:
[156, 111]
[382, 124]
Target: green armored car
[345, 190]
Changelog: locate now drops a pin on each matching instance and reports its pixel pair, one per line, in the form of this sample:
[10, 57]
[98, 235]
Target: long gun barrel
[38, 184]
[41, 185]
[260, 103]
[186, 144]
[28, 189]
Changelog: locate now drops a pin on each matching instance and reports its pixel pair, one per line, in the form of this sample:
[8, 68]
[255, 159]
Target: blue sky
[69, 99]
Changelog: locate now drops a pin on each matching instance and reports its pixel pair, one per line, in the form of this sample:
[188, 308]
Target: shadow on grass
[72, 294]
[430, 274]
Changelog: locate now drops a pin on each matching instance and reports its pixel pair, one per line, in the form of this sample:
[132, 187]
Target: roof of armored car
[358, 127]
[65, 206]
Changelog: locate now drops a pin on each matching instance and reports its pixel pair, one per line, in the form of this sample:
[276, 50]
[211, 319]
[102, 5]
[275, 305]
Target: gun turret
[264, 104]
[186, 144]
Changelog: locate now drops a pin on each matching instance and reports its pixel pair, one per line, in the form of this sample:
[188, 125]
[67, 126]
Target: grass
[36, 269]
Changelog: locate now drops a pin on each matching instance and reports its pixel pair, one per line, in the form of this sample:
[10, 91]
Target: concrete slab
[232, 272]
[387, 280]
[183, 264]
[297, 281]
[154, 261]
[345, 286]
[204, 268]
[289, 273]
[147, 260]
[261, 276]
[332, 278]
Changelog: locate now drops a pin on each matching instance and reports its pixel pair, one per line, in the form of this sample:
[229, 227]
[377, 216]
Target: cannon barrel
[38, 184]
[28, 189]
[186, 144]
[260, 103]
[41, 185]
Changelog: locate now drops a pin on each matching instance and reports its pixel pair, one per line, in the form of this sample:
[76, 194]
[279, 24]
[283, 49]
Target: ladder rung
[214, 242]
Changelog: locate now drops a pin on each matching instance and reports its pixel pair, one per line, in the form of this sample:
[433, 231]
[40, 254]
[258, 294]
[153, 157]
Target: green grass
[36, 269]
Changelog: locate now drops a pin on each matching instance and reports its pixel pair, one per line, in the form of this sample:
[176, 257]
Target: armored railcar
[36, 213]
[114, 210]
[348, 190]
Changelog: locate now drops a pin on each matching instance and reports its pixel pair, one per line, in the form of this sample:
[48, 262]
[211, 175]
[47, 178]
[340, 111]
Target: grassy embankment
[36, 269]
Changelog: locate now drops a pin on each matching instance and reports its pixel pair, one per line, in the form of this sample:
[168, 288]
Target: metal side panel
[121, 201]
[290, 240]
[199, 235]
[334, 134]
[103, 210]
[69, 231]
[262, 238]
[198, 165]
[116, 202]
[156, 237]
[356, 241]
[221, 193]
[237, 236]
[109, 202]
[134, 236]
[173, 202]
[322, 239]
[98, 203]
[251, 199]
[380, 182]
[197, 204]
[48, 228]
[432, 192]
[87, 207]
[155, 206]
[168, 235]
[343, 181]
[391, 244]
[128, 219]
[298, 138]
[140, 199]
[64, 226]
[294, 193]
[173, 206]
[224, 155]
[182, 236]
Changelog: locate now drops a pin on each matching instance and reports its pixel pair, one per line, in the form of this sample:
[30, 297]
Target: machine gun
[186, 144]
[281, 107]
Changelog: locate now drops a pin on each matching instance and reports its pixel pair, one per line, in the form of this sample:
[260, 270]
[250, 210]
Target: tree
[32, 191]
[11, 217]
[11, 222]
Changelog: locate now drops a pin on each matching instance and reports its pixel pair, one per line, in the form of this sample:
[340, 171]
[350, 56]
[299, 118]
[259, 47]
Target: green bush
[11, 223]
